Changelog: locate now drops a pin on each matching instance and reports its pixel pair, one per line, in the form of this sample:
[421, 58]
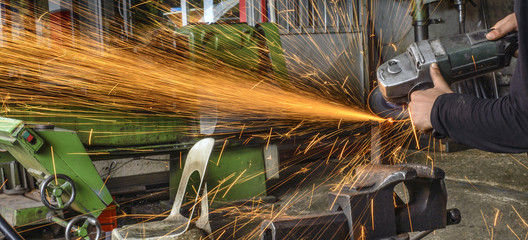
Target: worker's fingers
[503, 27]
[438, 79]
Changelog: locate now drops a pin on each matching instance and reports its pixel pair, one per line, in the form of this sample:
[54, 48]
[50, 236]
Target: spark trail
[79, 75]
[75, 77]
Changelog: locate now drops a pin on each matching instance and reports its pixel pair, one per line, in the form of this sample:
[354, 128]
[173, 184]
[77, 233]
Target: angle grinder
[459, 57]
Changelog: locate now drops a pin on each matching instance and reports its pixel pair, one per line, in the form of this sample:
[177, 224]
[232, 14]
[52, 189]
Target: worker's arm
[498, 125]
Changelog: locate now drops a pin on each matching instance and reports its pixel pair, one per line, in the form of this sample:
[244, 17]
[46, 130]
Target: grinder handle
[509, 43]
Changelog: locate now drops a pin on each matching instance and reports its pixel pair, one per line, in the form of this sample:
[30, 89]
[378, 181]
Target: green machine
[58, 151]
[255, 48]
[57, 156]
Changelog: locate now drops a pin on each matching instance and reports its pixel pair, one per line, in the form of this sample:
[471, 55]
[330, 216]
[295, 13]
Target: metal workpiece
[381, 145]
[373, 210]
[459, 57]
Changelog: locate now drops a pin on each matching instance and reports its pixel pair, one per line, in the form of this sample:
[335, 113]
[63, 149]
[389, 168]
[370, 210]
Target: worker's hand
[422, 101]
[503, 27]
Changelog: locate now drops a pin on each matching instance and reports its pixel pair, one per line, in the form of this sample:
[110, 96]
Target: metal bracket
[176, 224]
[196, 161]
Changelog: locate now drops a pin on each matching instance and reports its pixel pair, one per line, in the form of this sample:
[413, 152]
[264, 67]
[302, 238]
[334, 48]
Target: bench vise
[370, 208]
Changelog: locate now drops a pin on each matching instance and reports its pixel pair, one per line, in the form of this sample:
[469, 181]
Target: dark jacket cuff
[439, 131]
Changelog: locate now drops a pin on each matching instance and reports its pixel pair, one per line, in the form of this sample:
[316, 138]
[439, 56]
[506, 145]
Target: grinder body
[459, 57]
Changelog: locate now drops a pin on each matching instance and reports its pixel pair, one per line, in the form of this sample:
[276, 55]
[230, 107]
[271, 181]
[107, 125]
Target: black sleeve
[497, 125]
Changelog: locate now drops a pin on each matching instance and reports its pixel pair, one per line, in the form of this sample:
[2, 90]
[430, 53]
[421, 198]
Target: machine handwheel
[52, 190]
[82, 226]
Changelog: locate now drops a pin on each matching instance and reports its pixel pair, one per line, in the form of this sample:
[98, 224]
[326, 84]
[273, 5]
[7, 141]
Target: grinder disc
[380, 107]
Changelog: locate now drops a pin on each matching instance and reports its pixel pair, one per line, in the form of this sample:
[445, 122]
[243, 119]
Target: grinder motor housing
[459, 57]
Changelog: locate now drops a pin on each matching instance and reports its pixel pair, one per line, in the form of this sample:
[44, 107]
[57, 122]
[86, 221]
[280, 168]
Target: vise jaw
[374, 211]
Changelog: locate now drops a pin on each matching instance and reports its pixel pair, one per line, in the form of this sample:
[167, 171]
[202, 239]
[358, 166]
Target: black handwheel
[53, 189]
[81, 226]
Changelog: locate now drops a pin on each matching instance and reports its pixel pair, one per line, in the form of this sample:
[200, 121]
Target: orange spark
[54, 170]
[3, 184]
[221, 151]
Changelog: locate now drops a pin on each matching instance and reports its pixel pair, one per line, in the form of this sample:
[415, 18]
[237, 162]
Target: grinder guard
[385, 109]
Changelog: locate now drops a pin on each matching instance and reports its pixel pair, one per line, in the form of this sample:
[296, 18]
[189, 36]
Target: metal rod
[482, 90]
[8, 231]
[325, 16]
[288, 16]
[484, 8]
[313, 15]
[461, 18]
[420, 20]
[495, 85]
[379, 144]
[58, 221]
[272, 11]
[375, 144]
[475, 87]
[185, 12]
